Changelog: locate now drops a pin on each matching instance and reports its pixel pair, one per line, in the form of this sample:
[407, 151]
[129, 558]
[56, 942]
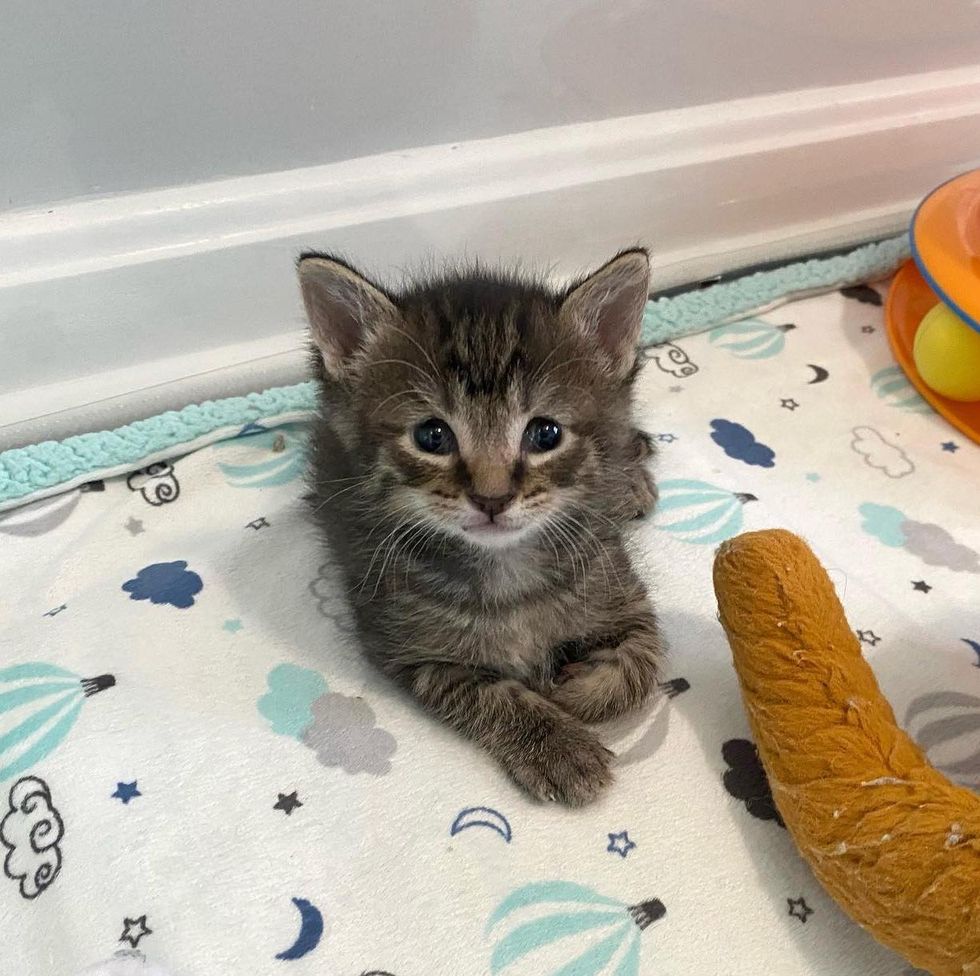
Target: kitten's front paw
[597, 691]
[569, 766]
[644, 494]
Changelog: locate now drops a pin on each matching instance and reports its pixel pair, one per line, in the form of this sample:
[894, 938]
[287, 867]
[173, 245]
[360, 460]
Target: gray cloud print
[343, 734]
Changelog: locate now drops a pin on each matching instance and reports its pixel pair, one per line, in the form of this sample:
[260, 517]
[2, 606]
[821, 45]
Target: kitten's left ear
[608, 305]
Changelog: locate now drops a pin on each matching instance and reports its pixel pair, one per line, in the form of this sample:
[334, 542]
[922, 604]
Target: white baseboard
[101, 299]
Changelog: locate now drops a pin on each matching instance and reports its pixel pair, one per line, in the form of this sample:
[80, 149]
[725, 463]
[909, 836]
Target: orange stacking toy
[945, 268]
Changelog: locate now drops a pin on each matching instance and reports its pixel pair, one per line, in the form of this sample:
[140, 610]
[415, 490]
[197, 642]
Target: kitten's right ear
[343, 307]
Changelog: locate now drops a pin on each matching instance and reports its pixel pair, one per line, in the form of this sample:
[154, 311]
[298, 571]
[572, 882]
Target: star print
[951, 446]
[868, 637]
[287, 802]
[867, 329]
[126, 792]
[813, 476]
[620, 844]
[134, 929]
[798, 908]
[788, 404]
[666, 438]
[55, 611]
[134, 526]
[233, 626]
[259, 523]
[676, 389]
[921, 586]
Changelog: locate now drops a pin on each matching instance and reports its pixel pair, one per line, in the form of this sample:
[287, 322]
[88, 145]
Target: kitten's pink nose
[492, 506]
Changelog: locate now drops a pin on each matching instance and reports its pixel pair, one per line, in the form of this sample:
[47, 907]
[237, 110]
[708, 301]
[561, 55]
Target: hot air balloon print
[264, 460]
[39, 517]
[556, 928]
[945, 724]
[699, 512]
[751, 338]
[894, 387]
[39, 703]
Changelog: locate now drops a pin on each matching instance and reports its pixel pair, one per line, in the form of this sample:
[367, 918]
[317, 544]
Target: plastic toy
[942, 279]
[947, 354]
[893, 841]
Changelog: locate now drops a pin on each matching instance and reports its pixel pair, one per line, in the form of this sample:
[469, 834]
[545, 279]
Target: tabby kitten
[474, 468]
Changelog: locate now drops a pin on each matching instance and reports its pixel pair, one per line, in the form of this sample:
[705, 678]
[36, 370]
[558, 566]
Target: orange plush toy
[893, 841]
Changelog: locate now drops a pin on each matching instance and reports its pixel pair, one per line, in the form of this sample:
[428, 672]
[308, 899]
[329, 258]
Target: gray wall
[122, 95]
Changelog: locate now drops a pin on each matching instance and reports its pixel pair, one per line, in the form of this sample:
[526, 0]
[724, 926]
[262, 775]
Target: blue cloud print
[171, 583]
[288, 704]
[931, 543]
[739, 442]
[884, 522]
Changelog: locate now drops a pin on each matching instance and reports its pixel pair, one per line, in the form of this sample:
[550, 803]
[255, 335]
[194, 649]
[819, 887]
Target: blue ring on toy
[924, 271]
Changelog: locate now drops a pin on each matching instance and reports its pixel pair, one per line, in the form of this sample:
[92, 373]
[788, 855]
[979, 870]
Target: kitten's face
[486, 409]
[489, 434]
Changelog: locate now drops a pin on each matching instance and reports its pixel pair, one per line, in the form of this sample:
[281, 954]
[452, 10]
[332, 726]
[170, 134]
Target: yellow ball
[947, 354]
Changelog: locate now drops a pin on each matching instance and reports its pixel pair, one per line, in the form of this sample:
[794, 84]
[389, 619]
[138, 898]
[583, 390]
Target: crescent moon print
[976, 649]
[310, 931]
[819, 374]
[481, 817]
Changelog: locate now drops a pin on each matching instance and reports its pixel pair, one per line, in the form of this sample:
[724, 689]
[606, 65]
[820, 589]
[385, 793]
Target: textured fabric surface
[196, 762]
[692, 311]
[51, 466]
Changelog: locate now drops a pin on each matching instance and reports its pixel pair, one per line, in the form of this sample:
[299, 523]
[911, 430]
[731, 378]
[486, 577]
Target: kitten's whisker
[566, 362]
[600, 548]
[405, 363]
[392, 516]
[595, 512]
[596, 544]
[327, 501]
[374, 556]
[578, 554]
[411, 541]
[392, 549]
[547, 536]
[418, 346]
[545, 361]
[568, 544]
[419, 546]
[331, 481]
[421, 394]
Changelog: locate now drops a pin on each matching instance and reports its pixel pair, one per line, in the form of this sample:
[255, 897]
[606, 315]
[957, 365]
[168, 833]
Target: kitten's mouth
[491, 528]
[493, 531]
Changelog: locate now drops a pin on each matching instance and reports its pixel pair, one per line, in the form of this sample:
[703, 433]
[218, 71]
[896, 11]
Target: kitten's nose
[492, 506]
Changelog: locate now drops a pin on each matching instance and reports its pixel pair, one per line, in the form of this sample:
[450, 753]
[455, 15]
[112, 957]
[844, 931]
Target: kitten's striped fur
[518, 645]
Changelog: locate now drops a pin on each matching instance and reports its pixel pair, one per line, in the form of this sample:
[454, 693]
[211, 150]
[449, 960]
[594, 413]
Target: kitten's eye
[543, 434]
[434, 436]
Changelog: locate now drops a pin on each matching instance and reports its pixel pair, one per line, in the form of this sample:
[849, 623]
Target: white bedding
[245, 796]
